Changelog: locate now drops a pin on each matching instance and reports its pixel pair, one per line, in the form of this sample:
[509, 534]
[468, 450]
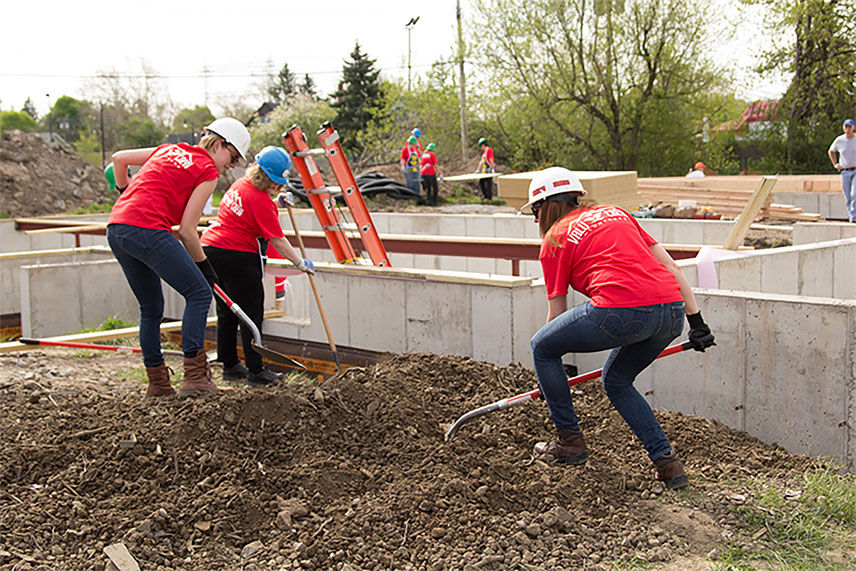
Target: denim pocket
[677, 319]
[625, 322]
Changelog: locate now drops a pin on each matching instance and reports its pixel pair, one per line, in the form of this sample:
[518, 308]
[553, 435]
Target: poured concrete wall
[830, 205]
[811, 232]
[58, 299]
[13, 241]
[10, 264]
[825, 269]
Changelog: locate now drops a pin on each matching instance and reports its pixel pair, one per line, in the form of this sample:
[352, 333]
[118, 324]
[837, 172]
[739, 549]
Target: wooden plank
[168, 327]
[66, 229]
[750, 211]
[471, 176]
[121, 557]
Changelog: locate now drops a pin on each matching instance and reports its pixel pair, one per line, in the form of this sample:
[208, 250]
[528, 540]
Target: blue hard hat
[417, 132]
[275, 163]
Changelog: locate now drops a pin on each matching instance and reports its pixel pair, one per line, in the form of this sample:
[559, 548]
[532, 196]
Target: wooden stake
[744, 221]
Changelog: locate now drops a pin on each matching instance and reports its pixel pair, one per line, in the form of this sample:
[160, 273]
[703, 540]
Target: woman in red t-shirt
[638, 299]
[428, 169]
[247, 220]
[171, 189]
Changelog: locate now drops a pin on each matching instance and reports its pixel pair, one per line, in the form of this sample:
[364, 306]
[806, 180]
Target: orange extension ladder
[323, 203]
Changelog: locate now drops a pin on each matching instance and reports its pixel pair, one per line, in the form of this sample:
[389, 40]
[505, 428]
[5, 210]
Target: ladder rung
[341, 226]
[310, 152]
[331, 190]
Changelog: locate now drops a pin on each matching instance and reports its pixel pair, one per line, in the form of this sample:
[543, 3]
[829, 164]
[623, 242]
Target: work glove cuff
[695, 320]
[207, 271]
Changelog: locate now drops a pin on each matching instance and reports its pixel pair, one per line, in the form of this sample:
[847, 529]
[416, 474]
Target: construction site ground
[354, 474]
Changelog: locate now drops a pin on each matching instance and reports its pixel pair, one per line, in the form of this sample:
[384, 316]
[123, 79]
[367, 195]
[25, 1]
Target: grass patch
[810, 527]
[94, 208]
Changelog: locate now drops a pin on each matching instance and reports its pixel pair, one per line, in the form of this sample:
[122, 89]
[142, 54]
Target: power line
[200, 75]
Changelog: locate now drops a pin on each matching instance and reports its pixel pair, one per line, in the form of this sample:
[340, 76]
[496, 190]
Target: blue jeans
[412, 180]
[146, 257]
[636, 335]
[848, 187]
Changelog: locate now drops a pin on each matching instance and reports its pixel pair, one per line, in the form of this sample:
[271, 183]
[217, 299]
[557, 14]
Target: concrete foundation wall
[13, 241]
[830, 205]
[826, 269]
[811, 232]
[10, 264]
[59, 299]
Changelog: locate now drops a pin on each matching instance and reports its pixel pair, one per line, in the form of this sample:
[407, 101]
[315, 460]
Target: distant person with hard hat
[171, 188]
[486, 165]
[417, 132]
[236, 243]
[697, 171]
[845, 146]
[409, 162]
[428, 169]
[638, 300]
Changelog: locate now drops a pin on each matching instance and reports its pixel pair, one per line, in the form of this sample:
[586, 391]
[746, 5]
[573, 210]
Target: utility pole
[463, 90]
[103, 156]
[409, 26]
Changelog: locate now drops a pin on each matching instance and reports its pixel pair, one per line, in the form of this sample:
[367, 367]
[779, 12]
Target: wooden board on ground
[471, 176]
[606, 187]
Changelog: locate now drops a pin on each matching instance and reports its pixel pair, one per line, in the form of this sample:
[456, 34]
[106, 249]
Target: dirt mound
[39, 178]
[351, 474]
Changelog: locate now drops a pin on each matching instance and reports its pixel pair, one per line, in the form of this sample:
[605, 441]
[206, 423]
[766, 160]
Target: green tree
[307, 86]
[141, 133]
[17, 120]
[30, 109]
[282, 86]
[601, 82]
[358, 96]
[70, 116]
[302, 110]
[192, 119]
[822, 59]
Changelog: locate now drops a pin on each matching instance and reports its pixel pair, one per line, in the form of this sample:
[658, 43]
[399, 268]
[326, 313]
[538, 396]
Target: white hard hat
[552, 181]
[234, 132]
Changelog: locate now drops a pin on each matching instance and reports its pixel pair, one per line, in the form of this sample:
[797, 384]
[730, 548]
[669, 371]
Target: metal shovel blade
[256, 343]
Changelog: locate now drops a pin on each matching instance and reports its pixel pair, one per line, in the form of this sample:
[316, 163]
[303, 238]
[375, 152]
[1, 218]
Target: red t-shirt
[158, 193]
[245, 214]
[487, 163]
[429, 159]
[605, 255]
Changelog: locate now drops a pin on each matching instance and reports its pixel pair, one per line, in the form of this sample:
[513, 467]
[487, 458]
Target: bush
[17, 120]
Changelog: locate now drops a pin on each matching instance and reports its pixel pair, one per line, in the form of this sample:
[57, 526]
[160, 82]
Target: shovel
[256, 343]
[28, 341]
[450, 429]
[287, 200]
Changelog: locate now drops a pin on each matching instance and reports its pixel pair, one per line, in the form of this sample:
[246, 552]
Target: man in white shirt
[845, 146]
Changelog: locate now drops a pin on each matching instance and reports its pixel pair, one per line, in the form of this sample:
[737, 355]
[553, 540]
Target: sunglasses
[536, 208]
[233, 153]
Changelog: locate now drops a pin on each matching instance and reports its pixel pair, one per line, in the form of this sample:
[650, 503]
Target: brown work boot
[670, 471]
[197, 376]
[159, 385]
[568, 448]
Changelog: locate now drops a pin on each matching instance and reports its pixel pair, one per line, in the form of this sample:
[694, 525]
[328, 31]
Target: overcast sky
[219, 49]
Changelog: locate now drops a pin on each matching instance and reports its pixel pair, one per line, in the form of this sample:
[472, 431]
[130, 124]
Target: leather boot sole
[678, 482]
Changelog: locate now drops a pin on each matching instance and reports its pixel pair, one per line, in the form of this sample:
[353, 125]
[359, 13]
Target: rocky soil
[350, 474]
[39, 178]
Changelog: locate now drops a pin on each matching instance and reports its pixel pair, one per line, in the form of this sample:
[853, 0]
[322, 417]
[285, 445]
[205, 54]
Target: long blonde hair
[554, 210]
[260, 179]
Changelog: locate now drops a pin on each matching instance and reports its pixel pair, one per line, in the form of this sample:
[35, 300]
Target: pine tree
[282, 86]
[308, 86]
[358, 94]
[30, 109]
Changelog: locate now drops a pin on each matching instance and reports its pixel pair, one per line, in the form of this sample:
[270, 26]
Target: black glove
[207, 271]
[700, 336]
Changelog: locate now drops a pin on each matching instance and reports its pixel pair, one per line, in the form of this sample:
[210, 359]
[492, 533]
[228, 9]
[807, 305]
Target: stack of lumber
[606, 187]
[726, 197]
